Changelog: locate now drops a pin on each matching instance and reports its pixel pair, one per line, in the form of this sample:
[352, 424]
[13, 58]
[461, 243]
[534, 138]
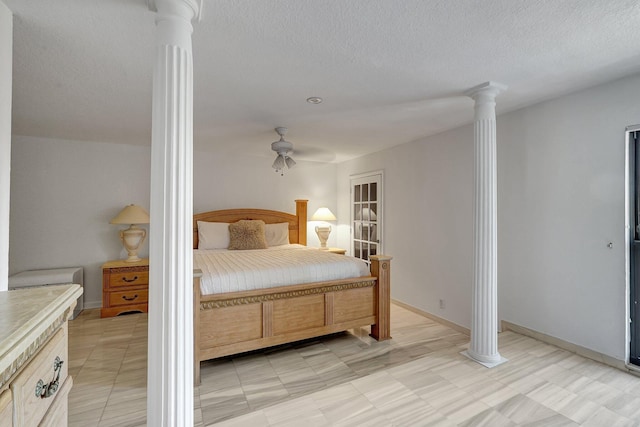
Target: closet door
[366, 215]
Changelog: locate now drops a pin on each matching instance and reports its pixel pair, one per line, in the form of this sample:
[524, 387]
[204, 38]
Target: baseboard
[565, 345]
[508, 326]
[93, 304]
[438, 319]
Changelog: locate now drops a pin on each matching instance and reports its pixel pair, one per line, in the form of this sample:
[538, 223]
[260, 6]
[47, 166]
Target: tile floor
[417, 378]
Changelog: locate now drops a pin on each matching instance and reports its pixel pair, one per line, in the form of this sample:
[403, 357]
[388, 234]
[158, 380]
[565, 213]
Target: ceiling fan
[283, 148]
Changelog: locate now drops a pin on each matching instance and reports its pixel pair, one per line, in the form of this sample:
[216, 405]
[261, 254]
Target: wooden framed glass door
[366, 215]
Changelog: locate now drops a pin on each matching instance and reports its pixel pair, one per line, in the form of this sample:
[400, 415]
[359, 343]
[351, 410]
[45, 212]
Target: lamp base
[323, 235]
[132, 239]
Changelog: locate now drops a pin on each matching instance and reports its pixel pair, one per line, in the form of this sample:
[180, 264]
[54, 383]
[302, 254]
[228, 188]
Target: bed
[234, 322]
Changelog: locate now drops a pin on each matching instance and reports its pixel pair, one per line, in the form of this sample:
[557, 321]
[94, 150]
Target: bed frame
[236, 322]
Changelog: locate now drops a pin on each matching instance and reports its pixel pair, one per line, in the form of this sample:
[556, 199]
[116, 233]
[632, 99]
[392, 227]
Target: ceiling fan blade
[287, 150]
[313, 154]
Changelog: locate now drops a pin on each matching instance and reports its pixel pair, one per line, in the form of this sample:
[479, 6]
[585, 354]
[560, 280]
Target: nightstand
[338, 251]
[125, 287]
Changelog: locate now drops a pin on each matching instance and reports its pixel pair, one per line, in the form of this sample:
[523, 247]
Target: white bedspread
[231, 271]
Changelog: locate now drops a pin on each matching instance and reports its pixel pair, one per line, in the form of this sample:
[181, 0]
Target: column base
[492, 364]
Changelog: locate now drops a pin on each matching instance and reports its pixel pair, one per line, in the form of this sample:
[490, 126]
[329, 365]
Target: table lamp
[133, 236]
[323, 214]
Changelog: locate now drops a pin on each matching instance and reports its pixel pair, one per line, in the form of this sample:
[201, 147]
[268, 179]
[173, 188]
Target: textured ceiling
[390, 72]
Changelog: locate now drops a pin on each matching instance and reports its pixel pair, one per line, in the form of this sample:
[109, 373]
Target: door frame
[630, 223]
[381, 227]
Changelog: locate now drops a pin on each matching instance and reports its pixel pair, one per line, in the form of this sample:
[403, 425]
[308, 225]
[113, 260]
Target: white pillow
[366, 215]
[277, 234]
[213, 235]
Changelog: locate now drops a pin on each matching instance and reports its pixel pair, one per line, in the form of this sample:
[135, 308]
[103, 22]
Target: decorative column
[6, 72]
[170, 349]
[484, 320]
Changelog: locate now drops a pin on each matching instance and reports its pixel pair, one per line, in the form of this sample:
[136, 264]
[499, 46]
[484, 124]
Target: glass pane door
[366, 216]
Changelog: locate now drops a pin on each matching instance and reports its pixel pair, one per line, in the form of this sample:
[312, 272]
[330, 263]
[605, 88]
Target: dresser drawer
[31, 399]
[58, 413]
[129, 279]
[6, 409]
[118, 298]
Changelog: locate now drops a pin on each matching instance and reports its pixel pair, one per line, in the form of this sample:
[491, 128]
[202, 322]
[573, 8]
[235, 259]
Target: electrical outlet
[442, 304]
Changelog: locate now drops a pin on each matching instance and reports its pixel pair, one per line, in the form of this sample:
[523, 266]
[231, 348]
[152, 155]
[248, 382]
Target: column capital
[489, 89]
[192, 7]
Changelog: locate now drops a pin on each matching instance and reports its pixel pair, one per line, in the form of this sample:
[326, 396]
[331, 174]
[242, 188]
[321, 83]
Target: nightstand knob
[124, 297]
[124, 279]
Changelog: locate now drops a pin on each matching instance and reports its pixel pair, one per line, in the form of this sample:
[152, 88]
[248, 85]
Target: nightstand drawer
[139, 296]
[129, 279]
[125, 287]
[37, 386]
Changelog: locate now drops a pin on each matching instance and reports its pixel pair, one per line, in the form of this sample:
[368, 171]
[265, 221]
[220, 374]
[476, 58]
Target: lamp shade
[323, 214]
[132, 214]
[290, 162]
[278, 163]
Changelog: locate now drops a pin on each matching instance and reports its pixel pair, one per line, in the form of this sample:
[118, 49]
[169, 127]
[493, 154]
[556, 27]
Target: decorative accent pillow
[213, 235]
[277, 234]
[246, 234]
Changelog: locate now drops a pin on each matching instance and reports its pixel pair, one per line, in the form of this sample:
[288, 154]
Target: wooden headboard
[297, 222]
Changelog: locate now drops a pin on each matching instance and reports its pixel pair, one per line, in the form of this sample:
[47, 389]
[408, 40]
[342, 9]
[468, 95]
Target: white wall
[65, 192]
[561, 200]
[63, 195]
[6, 58]
[222, 182]
[427, 219]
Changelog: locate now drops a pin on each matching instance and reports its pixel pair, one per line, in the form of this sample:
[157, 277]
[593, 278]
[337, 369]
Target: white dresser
[54, 276]
[34, 380]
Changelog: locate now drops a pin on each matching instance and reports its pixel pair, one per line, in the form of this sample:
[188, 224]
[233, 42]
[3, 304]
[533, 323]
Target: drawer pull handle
[124, 279]
[126, 298]
[43, 390]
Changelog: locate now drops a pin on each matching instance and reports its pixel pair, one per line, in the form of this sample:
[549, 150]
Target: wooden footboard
[231, 323]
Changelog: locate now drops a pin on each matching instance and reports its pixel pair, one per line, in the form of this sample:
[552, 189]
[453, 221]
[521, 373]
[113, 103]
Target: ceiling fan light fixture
[283, 148]
[278, 163]
[290, 162]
